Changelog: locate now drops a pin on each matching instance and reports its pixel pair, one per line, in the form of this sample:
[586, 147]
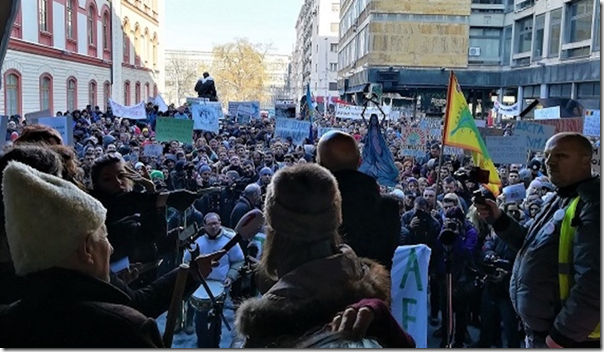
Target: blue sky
[200, 24]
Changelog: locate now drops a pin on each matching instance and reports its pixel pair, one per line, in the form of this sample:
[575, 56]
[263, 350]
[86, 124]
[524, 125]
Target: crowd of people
[320, 212]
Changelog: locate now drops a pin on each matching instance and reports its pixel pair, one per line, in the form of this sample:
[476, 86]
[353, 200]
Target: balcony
[524, 4]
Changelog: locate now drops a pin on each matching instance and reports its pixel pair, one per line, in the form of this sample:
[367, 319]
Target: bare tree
[239, 69]
[182, 73]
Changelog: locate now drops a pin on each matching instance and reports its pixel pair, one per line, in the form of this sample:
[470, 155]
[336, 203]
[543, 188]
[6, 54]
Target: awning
[357, 89]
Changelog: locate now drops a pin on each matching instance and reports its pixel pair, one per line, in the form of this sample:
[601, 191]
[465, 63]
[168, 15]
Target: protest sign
[353, 112]
[323, 130]
[547, 113]
[206, 116]
[595, 161]
[414, 142]
[170, 129]
[535, 134]
[296, 129]
[193, 100]
[507, 149]
[37, 114]
[447, 150]
[63, 125]
[409, 277]
[564, 124]
[480, 123]
[285, 108]
[135, 112]
[510, 110]
[591, 123]
[433, 126]
[514, 193]
[246, 108]
[161, 103]
[153, 150]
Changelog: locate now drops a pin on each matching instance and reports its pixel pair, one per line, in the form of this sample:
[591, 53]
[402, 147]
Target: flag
[309, 109]
[460, 131]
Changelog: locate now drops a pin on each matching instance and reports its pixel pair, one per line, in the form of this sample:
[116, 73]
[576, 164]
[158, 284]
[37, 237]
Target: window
[72, 94]
[579, 20]
[106, 92]
[91, 25]
[507, 45]
[524, 36]
[334, 27]
[43, 15]
[596, 43]
[531, 92]
[333, 47]
[589, 90]
[70, 20]
[539, 31]
[154, 57]
[137, 45]
[560, 90]
[489, 42]
[335, 7]
[155, 92]
[333, 67]
[555, 25]
[12, 93]
[46, 92]
[127, 93]
[126, 42]
[137, 93]
[92, 93]
[147, 91]
[106, 31]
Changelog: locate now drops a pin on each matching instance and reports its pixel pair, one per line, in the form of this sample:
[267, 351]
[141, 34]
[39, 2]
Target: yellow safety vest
[565, 255]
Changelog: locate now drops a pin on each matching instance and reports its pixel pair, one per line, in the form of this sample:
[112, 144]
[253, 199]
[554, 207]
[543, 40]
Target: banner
[591, 123]
[285, 108]
[535, 134]
[595, 161]
[244, 111]
[170, 129]
[507, 149]
[161, 104]
[514, 193]
[135, 112]
[153, 150]
[413, 142]
[323, 130]
[433, 125]
[409, 277]
[565, 124]
[206, 116]
[353, 112]
[63, 125]
[296, 129]
[547, 113]
[512, 110]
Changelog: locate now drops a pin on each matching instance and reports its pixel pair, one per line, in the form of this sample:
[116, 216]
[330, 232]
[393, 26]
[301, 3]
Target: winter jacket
[534, 287]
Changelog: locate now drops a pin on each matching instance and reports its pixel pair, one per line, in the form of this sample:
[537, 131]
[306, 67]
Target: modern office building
[66, 54]
[505, 49]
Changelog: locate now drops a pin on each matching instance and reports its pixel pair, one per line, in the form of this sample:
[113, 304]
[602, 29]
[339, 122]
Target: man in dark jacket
[206, 88]
[535, 286]
[248, 201]
[371, 222]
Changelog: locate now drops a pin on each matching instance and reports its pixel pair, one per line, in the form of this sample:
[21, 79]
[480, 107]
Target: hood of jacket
[309, 297]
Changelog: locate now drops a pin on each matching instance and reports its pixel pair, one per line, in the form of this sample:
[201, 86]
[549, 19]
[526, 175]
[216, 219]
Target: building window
[154, 58]
[70, 19]
[72, 94]
[137, 92]
[589, 90]
[106, 92]
[531, 92]
[155, 90]
[335, 6]
[507, 45]
[579, 20]
[92, 93]
[333, 47]
[147, 91]
[488, 42]
[43, 15]
[539, 31]
[596, 43]
[127, 93]
[126, 42]
[46, 92]
[334, 27]
[524, 35]
[91, 25]
[106, 31]
[555, 26]
[137, 45]
[12, 93]
[560, 90]
[333, 66]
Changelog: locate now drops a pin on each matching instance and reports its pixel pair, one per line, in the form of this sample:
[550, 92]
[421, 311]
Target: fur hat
[45, 217]
[303, 203]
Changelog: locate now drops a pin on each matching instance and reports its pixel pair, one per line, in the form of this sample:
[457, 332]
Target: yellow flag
[460, 131]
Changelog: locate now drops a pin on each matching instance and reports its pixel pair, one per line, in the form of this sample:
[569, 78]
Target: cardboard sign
[170, 129]
[414, 142]
[535, 134]
[153, 150]
[206, 116]
[514, 193]
[591, 123]
[507, 149]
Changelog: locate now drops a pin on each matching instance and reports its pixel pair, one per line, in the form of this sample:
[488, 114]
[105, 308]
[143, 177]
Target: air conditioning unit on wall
[475, 51]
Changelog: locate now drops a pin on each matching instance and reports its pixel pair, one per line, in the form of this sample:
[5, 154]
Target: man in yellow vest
[555, 283]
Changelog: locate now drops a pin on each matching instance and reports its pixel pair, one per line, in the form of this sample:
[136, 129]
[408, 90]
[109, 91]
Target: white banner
[206, 116]
[161, 104]
[296, 129]
[409, 277]
[513, 110]
[135, 112]
[353, 112]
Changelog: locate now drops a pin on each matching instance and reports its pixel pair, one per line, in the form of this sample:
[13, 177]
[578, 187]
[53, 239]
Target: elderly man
[58, 242]
[555, 282]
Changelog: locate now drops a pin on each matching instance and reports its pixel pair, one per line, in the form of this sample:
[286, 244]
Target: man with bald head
[371, 223]
[555, 283]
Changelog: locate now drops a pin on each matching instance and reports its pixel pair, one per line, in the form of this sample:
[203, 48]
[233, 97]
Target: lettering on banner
[507, 149]
[412, 267]
[595, 161]
[536, 134]
[296, 129]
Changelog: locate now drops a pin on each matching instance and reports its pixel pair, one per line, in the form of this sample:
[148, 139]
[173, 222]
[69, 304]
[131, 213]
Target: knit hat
[204, 168]
[46, 217]
[157, 174]
[303, 203]
[266, 171]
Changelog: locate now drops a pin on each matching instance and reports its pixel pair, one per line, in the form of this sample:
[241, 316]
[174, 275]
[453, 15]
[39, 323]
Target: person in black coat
[371, 222]
[206, 88]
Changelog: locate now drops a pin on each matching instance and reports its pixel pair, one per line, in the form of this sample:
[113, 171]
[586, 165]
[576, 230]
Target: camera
[449, 233]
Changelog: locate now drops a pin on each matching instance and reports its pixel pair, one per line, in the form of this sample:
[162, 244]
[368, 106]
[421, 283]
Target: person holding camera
[555, 281]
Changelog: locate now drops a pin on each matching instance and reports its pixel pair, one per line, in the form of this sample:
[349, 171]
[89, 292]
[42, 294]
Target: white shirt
[207, 246]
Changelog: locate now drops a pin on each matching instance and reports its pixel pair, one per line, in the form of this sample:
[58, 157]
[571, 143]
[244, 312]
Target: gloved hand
[181, 199]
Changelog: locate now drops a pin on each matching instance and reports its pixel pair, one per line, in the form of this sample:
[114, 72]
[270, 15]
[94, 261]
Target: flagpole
[442, 144]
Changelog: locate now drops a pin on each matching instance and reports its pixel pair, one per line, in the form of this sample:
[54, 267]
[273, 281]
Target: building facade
[499, 49]
[315, 56]
[66, 54]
